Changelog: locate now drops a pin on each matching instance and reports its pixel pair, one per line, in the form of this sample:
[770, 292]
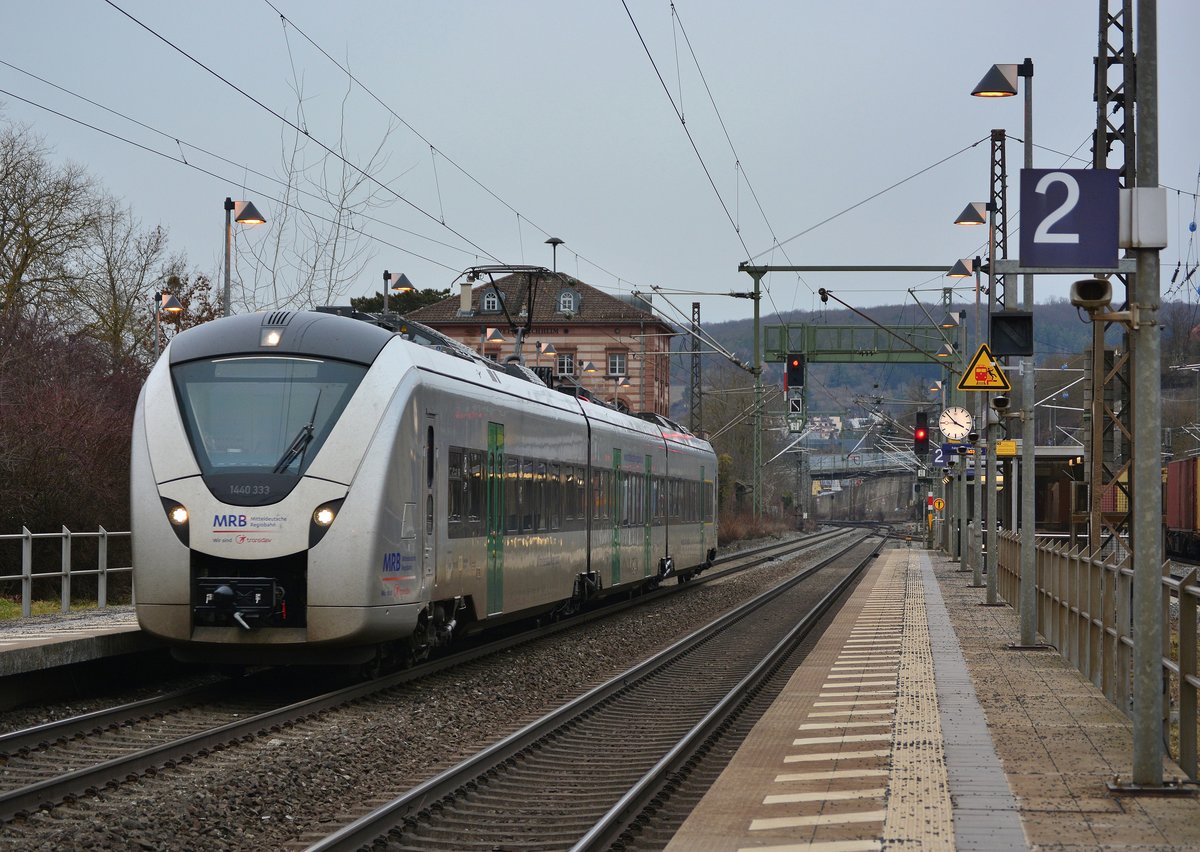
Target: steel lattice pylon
[1110, 436]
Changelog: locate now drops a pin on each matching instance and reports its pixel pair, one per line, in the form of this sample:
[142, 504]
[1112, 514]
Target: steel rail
[53, 790]
[365, 830]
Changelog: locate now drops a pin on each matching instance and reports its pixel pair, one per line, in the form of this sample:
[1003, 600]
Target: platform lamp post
[397, 282]
[554, 243]
[163, 302]
[956, 355]
[244, 213]
[489, 335]
[965, 268]
[618, 383]
[981, 213]
[1001, 82]
[543, 349]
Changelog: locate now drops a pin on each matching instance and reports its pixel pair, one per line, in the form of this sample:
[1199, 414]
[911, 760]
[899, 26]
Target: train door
[616, 503]
[494, 500]
[429, 545]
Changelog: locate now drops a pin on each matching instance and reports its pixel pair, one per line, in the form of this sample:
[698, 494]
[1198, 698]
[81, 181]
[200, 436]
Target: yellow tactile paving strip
[919, 808]
[816, 772]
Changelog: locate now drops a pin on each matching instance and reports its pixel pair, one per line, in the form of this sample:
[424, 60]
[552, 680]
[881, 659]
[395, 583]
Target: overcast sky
[557, 117]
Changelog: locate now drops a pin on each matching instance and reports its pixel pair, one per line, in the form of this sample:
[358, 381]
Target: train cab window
[267, 414]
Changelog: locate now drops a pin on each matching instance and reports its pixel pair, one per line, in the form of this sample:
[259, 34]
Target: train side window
[581, 493]
[708, 502]
[455, 487]
[527, 496]
[541, 503]
[474, 483]
[555, 497]
[512, 472]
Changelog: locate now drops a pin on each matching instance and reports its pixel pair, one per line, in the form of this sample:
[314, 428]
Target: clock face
[955, 422]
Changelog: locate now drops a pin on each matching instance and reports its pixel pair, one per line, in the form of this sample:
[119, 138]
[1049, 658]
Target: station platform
[35, 645]
[913, 724]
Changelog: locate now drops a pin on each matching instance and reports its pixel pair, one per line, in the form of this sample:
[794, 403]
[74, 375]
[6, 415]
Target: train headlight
[178, 517]
[322, 518]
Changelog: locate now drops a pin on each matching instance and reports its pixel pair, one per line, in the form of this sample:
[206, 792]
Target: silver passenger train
[312, 488]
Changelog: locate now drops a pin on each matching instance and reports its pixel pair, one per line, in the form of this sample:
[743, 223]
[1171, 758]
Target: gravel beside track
[305, 780]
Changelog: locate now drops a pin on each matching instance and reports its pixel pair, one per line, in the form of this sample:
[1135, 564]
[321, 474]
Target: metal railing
[66, 571]
[1085, 609]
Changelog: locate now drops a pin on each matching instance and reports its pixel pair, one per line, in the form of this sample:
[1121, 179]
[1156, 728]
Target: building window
[568, 302]
[616, 364]
[491, 302]
[564, 364]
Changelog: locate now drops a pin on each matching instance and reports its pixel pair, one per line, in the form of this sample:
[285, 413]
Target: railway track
[47, 764]
[584, 774]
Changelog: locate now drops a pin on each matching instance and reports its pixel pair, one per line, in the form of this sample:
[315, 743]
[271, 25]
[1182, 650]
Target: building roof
[591, 305]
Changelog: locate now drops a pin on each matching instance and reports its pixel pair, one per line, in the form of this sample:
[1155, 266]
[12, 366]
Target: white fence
[65, 572]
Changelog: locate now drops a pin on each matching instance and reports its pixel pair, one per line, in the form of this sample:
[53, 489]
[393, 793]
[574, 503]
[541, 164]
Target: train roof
[350, 335]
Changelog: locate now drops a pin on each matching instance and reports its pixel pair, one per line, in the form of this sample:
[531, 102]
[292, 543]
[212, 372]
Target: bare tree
[315, 247]
[46, 213]
[117, 273]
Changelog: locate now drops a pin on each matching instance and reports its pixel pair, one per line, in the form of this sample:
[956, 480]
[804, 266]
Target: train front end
[250, 544]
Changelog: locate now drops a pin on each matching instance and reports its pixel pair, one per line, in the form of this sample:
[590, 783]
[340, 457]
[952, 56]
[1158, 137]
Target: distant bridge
[859, 463]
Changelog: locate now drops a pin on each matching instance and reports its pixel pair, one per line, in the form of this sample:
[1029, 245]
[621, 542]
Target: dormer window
[491, 302]
[568, 302]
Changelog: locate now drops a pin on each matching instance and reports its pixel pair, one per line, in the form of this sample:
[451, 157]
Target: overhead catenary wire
[287, 121]
[289, 23]
[183, 162]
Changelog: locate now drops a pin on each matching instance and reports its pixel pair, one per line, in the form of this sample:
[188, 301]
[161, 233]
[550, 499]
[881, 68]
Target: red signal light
[921, 434]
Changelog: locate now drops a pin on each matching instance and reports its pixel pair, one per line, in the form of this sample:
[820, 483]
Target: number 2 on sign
[1043, 234]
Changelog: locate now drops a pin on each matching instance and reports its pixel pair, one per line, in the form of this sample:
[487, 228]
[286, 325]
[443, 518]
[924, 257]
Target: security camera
[973, 437]
[1000, 402]
[1091, 294]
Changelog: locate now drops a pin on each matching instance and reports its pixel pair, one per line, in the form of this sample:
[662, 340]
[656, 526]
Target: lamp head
[999, 82]
[169, 304]
[963, 268]
[245, 213]
[974, 213]
[1000, 402]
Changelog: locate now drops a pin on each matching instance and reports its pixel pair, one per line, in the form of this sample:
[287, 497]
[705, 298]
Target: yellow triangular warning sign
[984, 374]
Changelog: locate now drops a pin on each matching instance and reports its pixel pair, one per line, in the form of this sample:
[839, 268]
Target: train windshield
[262, 415]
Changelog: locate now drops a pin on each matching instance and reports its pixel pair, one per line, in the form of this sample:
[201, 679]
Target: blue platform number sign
[939, 457]
[1069, 218]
